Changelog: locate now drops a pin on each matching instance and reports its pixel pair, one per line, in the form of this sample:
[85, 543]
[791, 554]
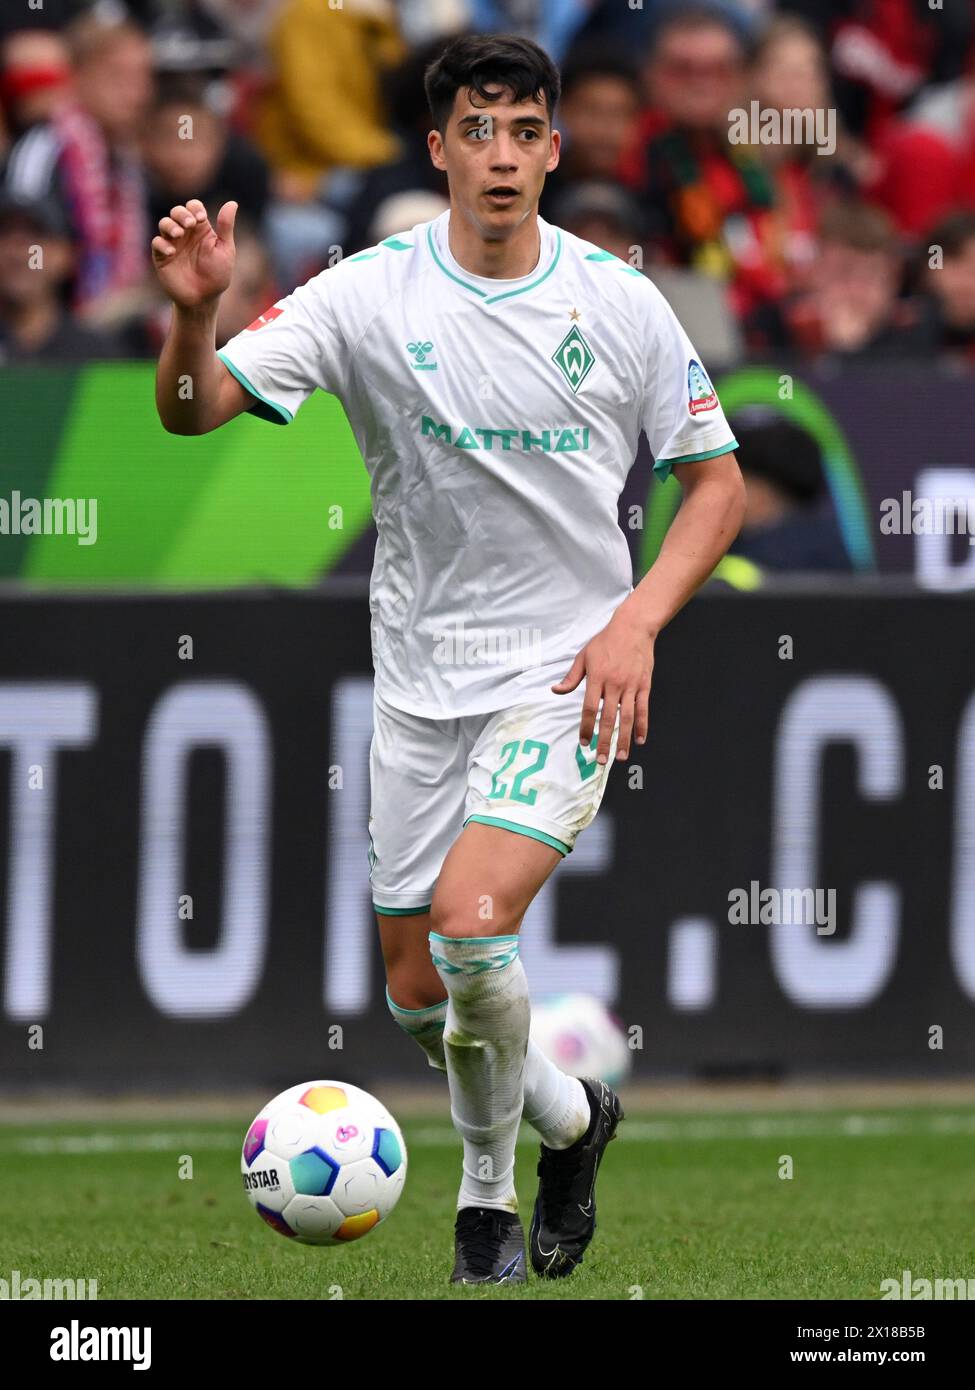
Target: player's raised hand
[617, 664]
[194, 260]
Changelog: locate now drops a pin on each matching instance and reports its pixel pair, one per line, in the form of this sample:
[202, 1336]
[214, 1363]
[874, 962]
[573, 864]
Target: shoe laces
[484, 1235]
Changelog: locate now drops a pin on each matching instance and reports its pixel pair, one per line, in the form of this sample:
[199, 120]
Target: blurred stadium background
[185, 690]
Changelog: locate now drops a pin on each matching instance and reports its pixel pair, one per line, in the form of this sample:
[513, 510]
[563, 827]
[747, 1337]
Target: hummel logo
[421, 351]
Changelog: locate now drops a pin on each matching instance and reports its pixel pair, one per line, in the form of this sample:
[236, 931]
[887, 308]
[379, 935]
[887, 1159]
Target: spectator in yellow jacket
[324, 108]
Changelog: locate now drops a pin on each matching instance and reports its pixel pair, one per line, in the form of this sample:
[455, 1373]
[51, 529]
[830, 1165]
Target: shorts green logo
[574, 358]
[587, 767]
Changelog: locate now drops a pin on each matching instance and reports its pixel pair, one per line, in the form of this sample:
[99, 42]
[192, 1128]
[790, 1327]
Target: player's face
[496, 156]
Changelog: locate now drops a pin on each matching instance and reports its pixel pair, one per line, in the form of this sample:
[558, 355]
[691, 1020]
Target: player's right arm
[195, 393]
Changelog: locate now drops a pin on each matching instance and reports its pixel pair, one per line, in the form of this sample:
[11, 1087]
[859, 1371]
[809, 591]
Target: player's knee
[412, 990]
[459, 915]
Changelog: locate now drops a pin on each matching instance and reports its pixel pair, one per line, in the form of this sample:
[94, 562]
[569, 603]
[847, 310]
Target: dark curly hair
[485, 63]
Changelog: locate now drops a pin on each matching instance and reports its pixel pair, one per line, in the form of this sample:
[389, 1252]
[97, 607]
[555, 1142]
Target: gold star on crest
[575, 316]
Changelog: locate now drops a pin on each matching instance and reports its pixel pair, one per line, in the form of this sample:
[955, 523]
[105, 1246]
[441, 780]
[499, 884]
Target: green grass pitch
[689, 1207]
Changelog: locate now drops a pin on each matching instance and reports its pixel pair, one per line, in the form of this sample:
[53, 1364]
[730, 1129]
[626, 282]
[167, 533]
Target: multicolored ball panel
[314, 1172]
[321, 1099]
[275, 1219]
[353, 1227]
[386, 1151]
[254, 1142]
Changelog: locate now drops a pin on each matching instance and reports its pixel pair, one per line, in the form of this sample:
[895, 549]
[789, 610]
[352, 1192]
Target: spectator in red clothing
[884, 51]
[926, 159]
[709, 202]
[852, 306]
[790, 72]
[35, 77]
[85, 159]
[693, 75]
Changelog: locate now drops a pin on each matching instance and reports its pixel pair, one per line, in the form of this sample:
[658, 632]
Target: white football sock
[485, 1042]
[556, 1105]
[425, 1026]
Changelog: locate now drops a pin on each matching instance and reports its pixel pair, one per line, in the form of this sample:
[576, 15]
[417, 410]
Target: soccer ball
[582, 1037]
[323, 1163]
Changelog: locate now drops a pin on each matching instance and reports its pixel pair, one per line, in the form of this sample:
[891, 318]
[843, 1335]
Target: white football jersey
[498, 420]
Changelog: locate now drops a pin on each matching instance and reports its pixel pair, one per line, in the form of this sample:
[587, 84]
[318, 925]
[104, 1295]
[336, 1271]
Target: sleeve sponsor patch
[700, 392]
[268, 316]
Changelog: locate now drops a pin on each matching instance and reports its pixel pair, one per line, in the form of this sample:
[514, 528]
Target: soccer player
[496, 372]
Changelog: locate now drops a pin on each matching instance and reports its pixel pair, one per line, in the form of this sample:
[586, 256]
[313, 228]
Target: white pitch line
[681, 1130]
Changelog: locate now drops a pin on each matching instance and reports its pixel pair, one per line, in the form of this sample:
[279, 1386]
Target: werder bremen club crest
[574, 358]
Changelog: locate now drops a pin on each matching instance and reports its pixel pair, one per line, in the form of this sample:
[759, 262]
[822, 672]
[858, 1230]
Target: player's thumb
[573, 676]
[226, 218]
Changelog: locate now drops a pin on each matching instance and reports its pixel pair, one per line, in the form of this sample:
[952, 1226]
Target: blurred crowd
[311, 114]
[312, 117]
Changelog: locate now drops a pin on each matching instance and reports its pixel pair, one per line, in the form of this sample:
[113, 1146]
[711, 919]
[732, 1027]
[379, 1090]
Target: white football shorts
[521, 768]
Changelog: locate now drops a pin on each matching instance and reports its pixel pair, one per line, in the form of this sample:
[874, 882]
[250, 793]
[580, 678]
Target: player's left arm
[618, 662]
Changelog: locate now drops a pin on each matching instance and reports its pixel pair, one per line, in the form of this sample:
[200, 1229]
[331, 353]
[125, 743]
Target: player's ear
[555, 146]
[435, 146]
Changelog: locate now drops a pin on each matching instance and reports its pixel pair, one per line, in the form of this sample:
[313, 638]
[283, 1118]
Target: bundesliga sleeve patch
[700, 392]
[268, 316]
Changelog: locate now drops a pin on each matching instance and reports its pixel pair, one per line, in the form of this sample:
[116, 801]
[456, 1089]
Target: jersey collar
[551, 239]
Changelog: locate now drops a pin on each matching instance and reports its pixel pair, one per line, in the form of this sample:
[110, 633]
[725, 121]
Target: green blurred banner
[247, 504]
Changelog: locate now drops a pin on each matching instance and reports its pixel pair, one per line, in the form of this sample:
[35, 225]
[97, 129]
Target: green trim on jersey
[392, 242]
[711, 454]
[496, 298]
[449, 273]
[662, 466]
[609, 256]
[263, 408]
[522, 830]
[400, 911]
[508, 294]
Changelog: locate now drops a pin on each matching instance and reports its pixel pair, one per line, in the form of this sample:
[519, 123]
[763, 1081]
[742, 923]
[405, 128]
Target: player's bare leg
[414, 991]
